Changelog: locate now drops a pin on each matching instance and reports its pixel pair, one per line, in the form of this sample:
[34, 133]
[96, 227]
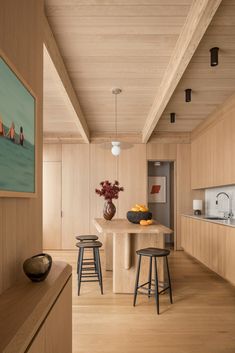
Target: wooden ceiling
[128, 44]
[210, 85]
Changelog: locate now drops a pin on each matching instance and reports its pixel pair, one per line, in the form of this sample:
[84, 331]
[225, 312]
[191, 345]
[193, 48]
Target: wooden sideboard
[37, 317]
[210, 243]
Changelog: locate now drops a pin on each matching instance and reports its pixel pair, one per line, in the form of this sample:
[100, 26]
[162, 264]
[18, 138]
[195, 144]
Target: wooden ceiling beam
[53, 50]
[197, 21]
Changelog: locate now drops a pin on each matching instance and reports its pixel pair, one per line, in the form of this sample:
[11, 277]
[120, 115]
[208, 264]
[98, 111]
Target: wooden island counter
[122, 239]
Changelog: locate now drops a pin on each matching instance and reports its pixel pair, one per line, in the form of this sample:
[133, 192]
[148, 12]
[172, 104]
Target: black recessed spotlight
[188, 93]
[172, 118]
[214, 56]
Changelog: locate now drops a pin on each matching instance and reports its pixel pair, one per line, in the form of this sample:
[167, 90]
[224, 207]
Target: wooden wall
[84, 166]
[213, 149]
[181, 155]
[21, 219]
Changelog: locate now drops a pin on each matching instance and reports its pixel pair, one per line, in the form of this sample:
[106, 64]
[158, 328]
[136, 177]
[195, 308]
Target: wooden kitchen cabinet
[212, 155]
[210, 243]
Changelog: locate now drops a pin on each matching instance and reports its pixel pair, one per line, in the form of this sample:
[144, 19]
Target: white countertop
[223, 222]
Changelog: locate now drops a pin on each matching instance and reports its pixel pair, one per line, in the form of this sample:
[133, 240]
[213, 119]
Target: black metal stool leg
[150, 276]
[81, 252]
[156, 286]
[169, 280]
[137, 281]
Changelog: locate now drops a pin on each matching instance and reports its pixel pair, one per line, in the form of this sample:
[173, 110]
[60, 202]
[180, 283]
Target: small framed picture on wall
[157, 189]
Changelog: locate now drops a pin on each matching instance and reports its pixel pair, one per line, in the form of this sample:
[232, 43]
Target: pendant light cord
[116, 114]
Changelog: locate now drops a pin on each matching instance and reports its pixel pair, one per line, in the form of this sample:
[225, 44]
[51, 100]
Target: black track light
[214, 56]
[188, 93]
[172, 118]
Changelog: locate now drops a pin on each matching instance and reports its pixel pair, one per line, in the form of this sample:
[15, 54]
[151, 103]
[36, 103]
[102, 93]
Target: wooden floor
[202, 318]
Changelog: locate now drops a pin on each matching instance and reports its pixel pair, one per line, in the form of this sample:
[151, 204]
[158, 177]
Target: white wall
[210, 198]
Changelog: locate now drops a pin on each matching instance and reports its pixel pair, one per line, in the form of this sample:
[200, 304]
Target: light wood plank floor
[202, 318]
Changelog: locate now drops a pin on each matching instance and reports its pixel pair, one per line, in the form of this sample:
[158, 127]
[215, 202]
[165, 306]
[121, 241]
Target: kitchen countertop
[229, 223]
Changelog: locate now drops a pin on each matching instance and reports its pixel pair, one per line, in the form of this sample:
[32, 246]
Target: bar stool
[86, 237]
[91, 267]
[153, 253]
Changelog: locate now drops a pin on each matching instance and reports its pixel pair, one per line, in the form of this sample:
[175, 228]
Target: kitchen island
[122, 239]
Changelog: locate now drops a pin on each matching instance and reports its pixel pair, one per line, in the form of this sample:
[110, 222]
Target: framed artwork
[17, 134]
[157, 189]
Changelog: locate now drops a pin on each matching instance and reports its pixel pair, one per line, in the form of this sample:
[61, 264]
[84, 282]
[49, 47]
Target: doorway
[161, 198]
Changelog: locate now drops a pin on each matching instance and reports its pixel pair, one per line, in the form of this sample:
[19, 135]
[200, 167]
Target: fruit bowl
[136, 217]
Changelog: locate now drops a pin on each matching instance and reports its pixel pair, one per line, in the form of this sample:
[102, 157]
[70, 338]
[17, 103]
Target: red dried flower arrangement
[108, 190]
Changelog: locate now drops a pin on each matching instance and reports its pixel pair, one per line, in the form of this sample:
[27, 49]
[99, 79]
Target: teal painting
[17, 133]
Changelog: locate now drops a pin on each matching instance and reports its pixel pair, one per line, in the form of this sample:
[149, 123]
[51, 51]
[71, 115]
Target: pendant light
[116, 149]
[114, 145]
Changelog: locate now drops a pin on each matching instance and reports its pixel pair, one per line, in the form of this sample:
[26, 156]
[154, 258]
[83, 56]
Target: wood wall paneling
[103, 166]
[21, 220]
[52, 205]
[161, 151]
[132, 175]
[52, 152]
[75, 193]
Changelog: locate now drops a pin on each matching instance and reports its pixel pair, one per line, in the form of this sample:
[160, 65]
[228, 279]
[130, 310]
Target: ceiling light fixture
[214, 56]
[172, 118]
[116, 149]
[116, 146]
[188, 95]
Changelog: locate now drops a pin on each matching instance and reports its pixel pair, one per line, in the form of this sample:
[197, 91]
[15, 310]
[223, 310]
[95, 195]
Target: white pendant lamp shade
[116, 149]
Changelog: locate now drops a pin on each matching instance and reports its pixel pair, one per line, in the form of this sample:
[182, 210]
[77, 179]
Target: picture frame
[18, 137]
[157, 189]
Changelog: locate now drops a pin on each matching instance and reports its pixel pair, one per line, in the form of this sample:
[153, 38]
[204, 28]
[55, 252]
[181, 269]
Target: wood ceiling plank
[122, 2]
[198, 19]
[77, 10]
[73, 103]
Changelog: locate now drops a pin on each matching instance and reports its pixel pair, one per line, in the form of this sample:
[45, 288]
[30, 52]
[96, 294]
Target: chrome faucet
[228, 214]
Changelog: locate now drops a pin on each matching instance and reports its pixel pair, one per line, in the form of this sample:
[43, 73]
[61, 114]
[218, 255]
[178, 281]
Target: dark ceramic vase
[37, 267]
[109, 210]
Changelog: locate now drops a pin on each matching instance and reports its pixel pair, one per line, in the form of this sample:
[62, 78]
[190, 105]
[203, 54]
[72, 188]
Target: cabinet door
[58, 325]
[52, 205]
[75, 193]
[38, 344]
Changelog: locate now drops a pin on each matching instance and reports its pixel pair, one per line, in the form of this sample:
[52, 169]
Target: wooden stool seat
[86, 237]
[89, 244]
[153, 252]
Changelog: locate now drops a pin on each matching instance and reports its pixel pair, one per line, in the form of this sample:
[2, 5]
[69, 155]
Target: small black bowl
[37, 267]
[136, 217]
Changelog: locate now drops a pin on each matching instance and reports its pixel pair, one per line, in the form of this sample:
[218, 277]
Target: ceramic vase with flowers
[109, 191]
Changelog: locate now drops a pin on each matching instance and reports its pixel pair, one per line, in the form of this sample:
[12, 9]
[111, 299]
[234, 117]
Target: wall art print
[17, 134]
[157, 189]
